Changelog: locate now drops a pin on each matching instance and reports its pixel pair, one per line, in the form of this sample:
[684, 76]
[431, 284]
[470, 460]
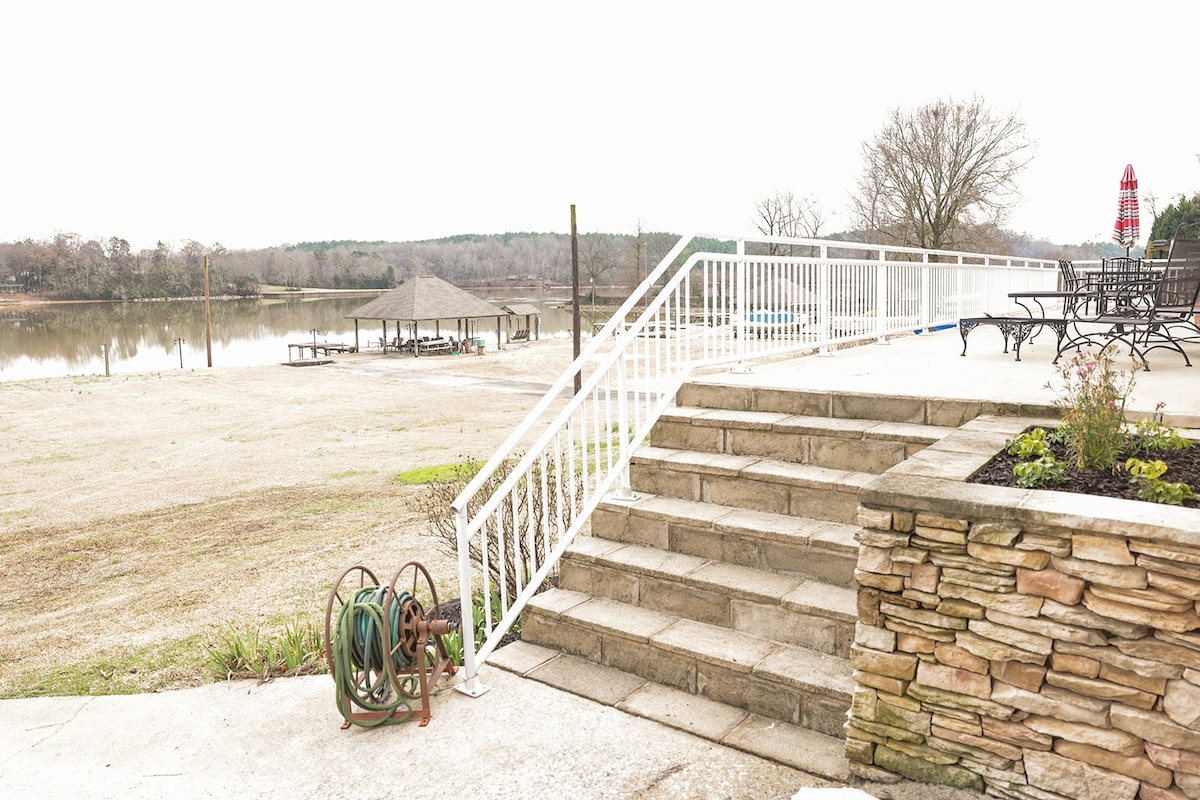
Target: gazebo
[531, 313]
[426, 298]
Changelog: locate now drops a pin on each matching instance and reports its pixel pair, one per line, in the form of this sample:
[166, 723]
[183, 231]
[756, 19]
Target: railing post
[624, 492]
[881, 300]
[471, 686]
[739, 309]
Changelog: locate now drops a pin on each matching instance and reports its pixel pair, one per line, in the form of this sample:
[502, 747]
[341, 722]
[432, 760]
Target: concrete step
[817, 549]
[749, 482]
[767, 604]
[761, 676]
[710, 392]
[837, 443]
[788, 744]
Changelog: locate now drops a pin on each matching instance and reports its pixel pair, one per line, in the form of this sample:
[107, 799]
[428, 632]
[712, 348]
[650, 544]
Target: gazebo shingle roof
[426, 297]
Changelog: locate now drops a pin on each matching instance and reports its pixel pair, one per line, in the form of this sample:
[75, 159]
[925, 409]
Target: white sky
[255, 123]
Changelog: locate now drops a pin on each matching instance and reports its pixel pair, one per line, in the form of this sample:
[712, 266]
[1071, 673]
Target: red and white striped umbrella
[1125, 231]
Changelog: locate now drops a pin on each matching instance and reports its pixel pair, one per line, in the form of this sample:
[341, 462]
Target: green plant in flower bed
[1094, 436]
[1147, 475]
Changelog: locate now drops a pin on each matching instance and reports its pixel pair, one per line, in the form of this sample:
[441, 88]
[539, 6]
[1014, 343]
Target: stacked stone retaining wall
[1027, 644]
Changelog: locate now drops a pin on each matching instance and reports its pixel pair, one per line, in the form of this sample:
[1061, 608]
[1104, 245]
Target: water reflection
[66, 339]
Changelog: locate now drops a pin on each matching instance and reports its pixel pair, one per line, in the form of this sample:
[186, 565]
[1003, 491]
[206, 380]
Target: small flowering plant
[1095, 436]
[1092, 398]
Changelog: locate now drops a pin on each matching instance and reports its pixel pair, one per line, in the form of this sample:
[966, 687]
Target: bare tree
[785, 215]
[942, 176]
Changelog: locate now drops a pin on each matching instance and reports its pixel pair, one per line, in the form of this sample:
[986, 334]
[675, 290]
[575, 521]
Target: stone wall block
[1016, 637]
[1151, 792]
[1004, 750]
[995, 651]
[1051, 583]
[943, 535]
[893, 665]
[1024, 676]
[953, 679]
[872, 537]
[875, 559]
[1003, 534]
[1121, 577]
[1105, 549]
[924, 577]
[904, 520]
[1102, 690]
[1182, 587]
[920, 770]
[1166, 620]
[878, 519]
[960, 608]
[952, 655]
[1154, 726]
[1054, 542]
[1181, 702]
[948, 523]
[1076, 665]
[1052, 702]
[922, 616]
[1137, 767]
[1029, 559]
[874, 638]
[1172, 759]
[946, 701]
[914, 721]
[1076, 779]
[883, 683]
[1150, 598]
[1020, 605]
[1056, 631]
[1016, 733]
[1171, 551]
[884, 583]
[1078, 615]
[1120, 742]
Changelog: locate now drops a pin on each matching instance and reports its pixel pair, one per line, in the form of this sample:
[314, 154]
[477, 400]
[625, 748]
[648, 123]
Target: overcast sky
[252, 124]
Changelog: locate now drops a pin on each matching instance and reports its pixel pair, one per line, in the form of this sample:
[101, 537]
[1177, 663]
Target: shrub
[1093, 398]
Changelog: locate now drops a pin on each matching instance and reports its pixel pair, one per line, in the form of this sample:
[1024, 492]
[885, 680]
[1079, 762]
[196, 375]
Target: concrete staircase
[722, 599]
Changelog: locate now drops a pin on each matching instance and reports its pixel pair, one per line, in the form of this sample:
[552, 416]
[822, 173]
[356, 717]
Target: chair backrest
[1070, 279]
[1181, 278]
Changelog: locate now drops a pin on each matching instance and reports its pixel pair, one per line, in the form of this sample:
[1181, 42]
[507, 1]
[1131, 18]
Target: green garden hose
[360, 672]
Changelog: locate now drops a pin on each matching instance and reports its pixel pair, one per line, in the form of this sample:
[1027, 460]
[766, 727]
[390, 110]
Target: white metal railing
[521, 511]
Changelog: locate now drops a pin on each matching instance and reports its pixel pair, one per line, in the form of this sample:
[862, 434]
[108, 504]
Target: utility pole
[575, 296]
[208, 315]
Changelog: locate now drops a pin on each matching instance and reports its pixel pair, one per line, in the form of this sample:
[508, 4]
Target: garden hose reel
[383, 645]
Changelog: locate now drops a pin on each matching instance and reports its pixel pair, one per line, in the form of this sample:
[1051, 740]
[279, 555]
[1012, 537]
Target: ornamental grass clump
[1092, 398]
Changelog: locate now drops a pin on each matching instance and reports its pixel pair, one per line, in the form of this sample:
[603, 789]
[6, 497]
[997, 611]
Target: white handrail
[520, 512]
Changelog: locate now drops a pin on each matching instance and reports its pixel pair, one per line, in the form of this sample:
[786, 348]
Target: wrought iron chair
[1143, 308]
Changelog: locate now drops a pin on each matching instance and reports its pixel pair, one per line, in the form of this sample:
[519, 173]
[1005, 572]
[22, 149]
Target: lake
[69, 338]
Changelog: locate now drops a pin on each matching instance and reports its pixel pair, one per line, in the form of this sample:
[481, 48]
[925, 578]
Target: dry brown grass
[141, 516]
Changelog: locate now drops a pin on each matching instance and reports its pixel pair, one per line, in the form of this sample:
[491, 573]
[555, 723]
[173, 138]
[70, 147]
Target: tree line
[942, 176]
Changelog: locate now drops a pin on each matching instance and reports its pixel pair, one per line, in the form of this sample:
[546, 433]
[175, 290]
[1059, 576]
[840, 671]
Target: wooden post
[207, 315]
[575, 296]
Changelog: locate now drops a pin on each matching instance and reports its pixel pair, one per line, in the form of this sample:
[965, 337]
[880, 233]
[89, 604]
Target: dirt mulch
[1182, 466]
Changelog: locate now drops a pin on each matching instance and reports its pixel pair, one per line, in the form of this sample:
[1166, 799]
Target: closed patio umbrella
[1125, 231]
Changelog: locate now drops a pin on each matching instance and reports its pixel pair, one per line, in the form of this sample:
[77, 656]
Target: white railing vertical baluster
[625, 492]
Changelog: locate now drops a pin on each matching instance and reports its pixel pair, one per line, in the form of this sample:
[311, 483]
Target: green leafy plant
[248, 653]
[1151, 433]
[1042, 471]
[1148, 477]
[1030, 444]
[454, 641]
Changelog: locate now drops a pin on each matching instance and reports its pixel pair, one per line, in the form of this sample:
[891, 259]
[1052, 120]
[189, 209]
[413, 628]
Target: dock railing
[521, 511]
